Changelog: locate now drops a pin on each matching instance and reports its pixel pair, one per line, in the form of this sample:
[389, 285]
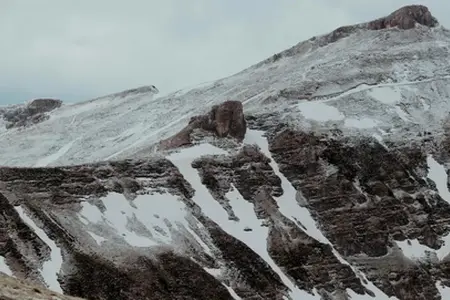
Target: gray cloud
[81, 49]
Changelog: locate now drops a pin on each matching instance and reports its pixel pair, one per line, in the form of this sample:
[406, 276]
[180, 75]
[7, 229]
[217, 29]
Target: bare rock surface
[405, 18]
[223, 120]
[32, 113]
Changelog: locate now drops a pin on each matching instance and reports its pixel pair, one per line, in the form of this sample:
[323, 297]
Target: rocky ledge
[224, 120]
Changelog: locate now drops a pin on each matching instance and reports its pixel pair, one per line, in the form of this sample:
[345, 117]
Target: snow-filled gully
[289, 207]
[52, 266]
[257, 238]
[4, 267]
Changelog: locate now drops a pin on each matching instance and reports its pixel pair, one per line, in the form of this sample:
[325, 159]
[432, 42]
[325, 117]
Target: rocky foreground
[12, 289]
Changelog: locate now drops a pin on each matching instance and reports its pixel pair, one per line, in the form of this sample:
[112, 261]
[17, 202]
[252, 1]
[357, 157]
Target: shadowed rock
[224, 120]
[32, 113]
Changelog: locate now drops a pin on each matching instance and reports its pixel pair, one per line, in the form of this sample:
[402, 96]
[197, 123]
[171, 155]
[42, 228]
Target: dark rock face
[405, 18]
[311, 263]
[170, 277]
[366, 198]
[224, 120]
[32, 113]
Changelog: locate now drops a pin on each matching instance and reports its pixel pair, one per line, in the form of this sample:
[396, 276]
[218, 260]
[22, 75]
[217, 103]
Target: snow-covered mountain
[360, 80]
[324, 177]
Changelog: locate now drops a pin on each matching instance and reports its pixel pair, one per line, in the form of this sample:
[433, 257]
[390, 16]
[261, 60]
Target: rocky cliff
[330, 185]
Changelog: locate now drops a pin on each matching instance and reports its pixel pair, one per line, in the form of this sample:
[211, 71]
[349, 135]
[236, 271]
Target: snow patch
[4, 267]
[361, 123]
[50, 267]
[443, 290]
[161, 214]
[413, 249]
[54, 157]
[417, 251]
[89, 213]
[287, 202]
[97, 238]
[232, 293]
[389, 95]
[255, 239]
[437, 173]
[319, 111]
[401, 113]
[290, 208]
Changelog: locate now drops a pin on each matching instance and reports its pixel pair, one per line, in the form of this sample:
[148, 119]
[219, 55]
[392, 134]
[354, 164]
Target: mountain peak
[405, 18]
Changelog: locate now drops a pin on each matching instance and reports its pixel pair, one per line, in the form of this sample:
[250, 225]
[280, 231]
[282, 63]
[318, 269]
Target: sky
[78, 50]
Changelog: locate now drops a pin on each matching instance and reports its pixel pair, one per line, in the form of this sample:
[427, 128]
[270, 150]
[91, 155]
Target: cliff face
[320, 177]
[294, 214]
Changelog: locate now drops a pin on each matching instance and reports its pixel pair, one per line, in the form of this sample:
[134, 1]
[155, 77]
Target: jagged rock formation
[405, 18]
[333, 185]
[32, 113]
[225, 119]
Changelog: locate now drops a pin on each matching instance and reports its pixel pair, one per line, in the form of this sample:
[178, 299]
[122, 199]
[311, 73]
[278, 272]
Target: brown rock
[405, 18]
[226, 119]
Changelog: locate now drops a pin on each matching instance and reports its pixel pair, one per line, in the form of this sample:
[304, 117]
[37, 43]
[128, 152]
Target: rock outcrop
[32, 113]
[224, 120]
[405, 18]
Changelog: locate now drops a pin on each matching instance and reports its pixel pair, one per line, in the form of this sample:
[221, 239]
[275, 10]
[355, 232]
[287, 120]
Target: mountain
[319, 173]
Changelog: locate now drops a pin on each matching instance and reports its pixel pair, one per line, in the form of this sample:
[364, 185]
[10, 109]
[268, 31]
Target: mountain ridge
[265, 198]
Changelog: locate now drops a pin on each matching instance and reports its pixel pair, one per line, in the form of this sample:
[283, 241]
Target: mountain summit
[319, 173]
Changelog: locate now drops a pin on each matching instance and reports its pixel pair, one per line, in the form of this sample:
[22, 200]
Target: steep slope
[360, 80]
[326, 178]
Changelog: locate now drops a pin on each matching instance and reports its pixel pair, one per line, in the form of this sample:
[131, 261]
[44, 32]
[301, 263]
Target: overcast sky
[76, 50]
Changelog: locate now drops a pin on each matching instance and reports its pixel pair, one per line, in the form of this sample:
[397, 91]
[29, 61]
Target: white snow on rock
[160, 213]
[53, 157]
[361, 123]
[413, 249]
[318, 111]
[50, 267]
[389, 95]
[362, 80]
[4, 267]
[89, 213]
[233, 293]
[437, 173]
[416, 251]
[443, 290]
[290, 208]
[97, 238]
[288, 205]
[255, 239]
